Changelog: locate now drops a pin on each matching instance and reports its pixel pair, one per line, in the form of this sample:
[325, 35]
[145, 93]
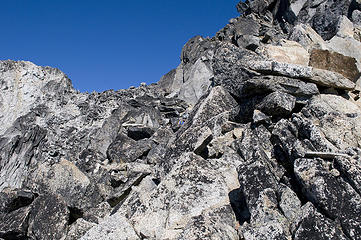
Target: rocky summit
[255, 135]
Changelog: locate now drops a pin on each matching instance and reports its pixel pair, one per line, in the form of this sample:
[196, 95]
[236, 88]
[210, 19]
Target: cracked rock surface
[255, 135]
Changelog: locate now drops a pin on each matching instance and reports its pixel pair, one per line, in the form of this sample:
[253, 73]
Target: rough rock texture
[255, 135]
[336, 62]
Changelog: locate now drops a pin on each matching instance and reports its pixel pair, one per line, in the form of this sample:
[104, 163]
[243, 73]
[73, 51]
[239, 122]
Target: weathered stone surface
[318, 76]
[307, 37]
[312, 225]
[268, 84]
[323, 16]
[267, 222]
[277, 104]
[113, 228]
[22, 83]
[345, 27]
[236, 143]
[49, 218]
[193, 187]
[260, 117]
[333, 195]
[197, 84]
[346, 46]
[356, 17]
[287, 52]
[78, 229]
[331, 79]
[336, 62]
[230, 67]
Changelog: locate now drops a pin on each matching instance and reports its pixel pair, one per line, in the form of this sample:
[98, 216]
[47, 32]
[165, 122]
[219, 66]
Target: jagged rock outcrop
[255, 135]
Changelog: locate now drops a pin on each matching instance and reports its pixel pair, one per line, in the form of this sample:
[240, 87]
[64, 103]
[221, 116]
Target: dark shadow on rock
[239, 206]
[74, 214]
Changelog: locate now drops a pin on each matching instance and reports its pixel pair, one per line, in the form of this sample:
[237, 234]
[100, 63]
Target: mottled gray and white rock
[236, 143]
[307, 37]
[197, 84]
[277, 104]
[113, 228]
[267, 84]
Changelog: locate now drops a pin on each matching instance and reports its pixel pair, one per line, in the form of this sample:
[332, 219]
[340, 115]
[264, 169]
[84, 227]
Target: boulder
[346, 46]
[336, 62]
[49, 218]
[230, 67]
[345, 27]
[332, 195]
[313, 225]
[115, 227]
[307, 37]
[267, 221]
[318, 76]
[331, 79]
[249, 42]
[260, 118]
[66, 180]
[267, 84]
[356, 17]
[197, 84]
[323, 16]
[277, 104]
[287, 52]
[193, 188]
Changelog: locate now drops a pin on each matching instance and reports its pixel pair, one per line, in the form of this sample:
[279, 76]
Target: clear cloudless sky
[109, 44]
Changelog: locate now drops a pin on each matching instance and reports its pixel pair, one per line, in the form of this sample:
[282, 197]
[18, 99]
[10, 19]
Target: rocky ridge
[255, 135]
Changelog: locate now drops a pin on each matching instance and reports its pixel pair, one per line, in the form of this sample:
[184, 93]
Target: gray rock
[266, 222]
[78, 229]
[307, 37]
[356, 17]
[334, 196]
[49, 218]
[323, 16]
[347, 47]
[236, 143]
[331, 79]
[289, 204]
[230, 67]
[345, 27]
[268, 84]
[277, 104]
[114, 227]
[197, 84]
[313, 225]
[259, 117]
[320, 77]
[249, 42]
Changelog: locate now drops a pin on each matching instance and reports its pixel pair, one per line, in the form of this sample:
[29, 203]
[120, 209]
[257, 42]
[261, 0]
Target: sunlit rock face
[255, 135]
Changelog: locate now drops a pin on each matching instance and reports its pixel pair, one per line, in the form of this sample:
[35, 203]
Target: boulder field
[255, 135]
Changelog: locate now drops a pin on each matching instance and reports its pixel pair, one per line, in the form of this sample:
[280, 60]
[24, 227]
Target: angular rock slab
[335, 62]
[318, 76]
[313, 225]
[277, 104]
[267, 84]
[307, 37]
[115, 227]
[331, 194]
[193, 188]
[287, 52]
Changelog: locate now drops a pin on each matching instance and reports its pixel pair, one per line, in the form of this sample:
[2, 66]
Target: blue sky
[107, 44]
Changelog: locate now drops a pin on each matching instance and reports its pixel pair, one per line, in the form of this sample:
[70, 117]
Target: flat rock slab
[335, 62]
[320, 77]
